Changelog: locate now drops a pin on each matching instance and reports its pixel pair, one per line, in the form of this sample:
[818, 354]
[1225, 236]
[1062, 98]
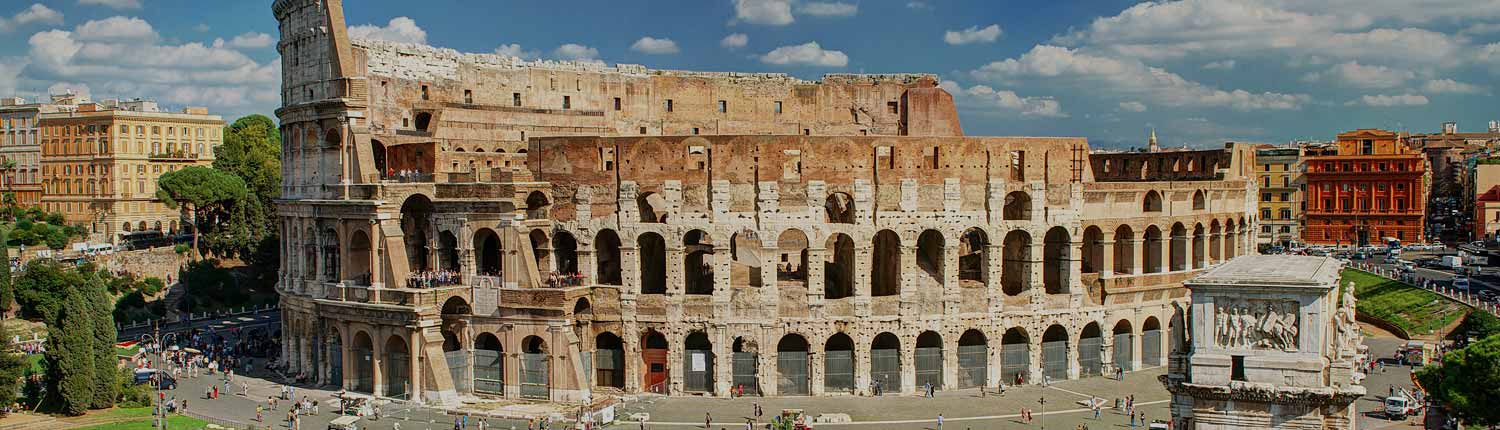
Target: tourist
[940, 422]
[708, 420]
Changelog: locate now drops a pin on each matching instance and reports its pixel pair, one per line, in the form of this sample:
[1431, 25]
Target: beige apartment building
[20, 145]
[100, 164]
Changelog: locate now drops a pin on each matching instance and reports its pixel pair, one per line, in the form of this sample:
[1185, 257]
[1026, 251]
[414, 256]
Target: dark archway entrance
[973, 360]
[929, 357]
[885, 362]
[838, 364]
[791, 366]
[698, 363]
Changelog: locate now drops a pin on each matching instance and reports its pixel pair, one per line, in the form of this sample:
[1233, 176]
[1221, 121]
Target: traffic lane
[1380, 383]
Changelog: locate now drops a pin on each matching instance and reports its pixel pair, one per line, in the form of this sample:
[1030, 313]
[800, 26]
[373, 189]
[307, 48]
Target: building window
[893, 107]
[1265, 197]
[1265, 229]
[1286, 197]
[723, 106]
[1265, 213]
[1237, 368]
[777, 107]
[468, 97]
[1267, 181]
[567, 102]
[617, 103]
[1381, 166]
[695, 130]
[424, 92]
[807, 132]
[1327, 187]
[1286, 214]
[1367, 147]
[1345, 167]
[669, 105]
[643, 130]
[515, 99]
[1400, 187]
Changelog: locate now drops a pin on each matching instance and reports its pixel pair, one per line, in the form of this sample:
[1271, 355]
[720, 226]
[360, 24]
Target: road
[269, 319]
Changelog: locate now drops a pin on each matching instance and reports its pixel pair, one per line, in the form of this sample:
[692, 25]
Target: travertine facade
[1273, 345]
[854, 237]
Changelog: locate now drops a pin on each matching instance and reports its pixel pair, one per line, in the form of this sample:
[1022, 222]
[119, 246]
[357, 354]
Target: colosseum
[460, 225]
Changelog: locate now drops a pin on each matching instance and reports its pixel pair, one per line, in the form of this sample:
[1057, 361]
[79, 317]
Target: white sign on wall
[699, 362]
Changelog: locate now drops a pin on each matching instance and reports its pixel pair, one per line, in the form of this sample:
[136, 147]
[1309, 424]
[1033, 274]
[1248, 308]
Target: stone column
[677, 365]
[1074, 367]
[815, 278]
[723, 262]
[910, 273]
[1166, 255]
[414, 364]
[632, 346]
[909, 366]
[1107, 258]
[862, 364]
[994, 258]
[1137, 255]
[586, 266]
[1034, 350]
[950, 361]
[1107, 355]
[377, 364]
[863, 263]
[1037, 287]
[951, 296]
[770, 291]
[630, 271]
[1135, 348]
[723, 358]
[765, 371]
[1072, 278]
[816, 368]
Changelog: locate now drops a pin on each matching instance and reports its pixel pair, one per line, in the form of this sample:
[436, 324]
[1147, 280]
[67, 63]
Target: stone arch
[654, 349]
[838, 363]
[1055, 352]
[541, 249]
[698, 262]
[1200, 247]
[931, 256]
[1124, 250]
[1231, 237]
[1056, 256]
[1015, 350]
[488, 250]
[1124, 345]
[1200, 200]
[1091, 350]
[450, 341]
[448, 251]
[792, 245]
[973, 359]
[652, 207]
[885, 361]
[1152, 202]
[885, 276]
[456, 305]
[1152, 343]
[359, 258]
[1015, 276]
[974, 255]
[1215, 242]
[364, 362]
[695, 345]
[653, 268]
[838, 267]
[929, 359]
[839, 208]
[792, 375]
[1179, 247]
[1153, 246]
[744, 252]
[489, 364]
[538, 206]
[332, 138]
[377, 152]
[397, 369]
[1017, 206]
[607, 257]
[1093, 249]
[416, 221]
[536, 380]
[565, 252]
[609, 360]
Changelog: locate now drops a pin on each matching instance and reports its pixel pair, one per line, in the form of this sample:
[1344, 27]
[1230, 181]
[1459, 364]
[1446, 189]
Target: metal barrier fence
[1413, 280]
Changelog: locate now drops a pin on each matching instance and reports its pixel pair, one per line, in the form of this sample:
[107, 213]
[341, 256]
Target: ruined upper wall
[1235, 161]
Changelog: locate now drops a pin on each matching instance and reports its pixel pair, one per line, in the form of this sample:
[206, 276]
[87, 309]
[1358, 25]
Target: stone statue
[1256, 324]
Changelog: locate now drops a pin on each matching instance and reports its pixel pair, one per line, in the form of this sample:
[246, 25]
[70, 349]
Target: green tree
[1468, 382]
[13, 367]
[1480, 325]
[251, 151]
[70, 355]
[41, 288]
[7, 293]
[102, 314]
[201, 192]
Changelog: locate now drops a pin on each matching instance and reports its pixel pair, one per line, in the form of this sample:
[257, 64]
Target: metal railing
[1411, 279]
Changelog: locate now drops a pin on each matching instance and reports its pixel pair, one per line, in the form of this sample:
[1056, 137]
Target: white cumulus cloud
[972, 34]
[828, 9]
[116, 29]
[1133, 106]
[117, 4]
[36, 14]
[251, 40]
[807, 54]
[576, 52]
[1220, 65]
[987, 99]
[764, 12]
[515, 50]
[735, 41]
[1362, 76]
[1449, 86]
[398, 29]
[652, 45]
[1382, 100]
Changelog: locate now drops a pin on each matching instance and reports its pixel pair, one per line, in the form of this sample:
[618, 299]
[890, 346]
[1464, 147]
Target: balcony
[173, 156]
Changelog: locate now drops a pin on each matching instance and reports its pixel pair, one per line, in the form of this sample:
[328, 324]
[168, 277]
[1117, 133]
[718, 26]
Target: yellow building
[1279, 171]
[100, 164]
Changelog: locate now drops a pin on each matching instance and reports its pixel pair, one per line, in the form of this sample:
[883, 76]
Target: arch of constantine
[463, 224]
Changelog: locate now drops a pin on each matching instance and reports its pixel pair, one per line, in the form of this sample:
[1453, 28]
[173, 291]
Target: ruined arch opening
[745, 262]
[565, 253]
[1057, 255]
[885, 276]
[653, 255]
[423, 121]
[653, 207]
[698, 262]
[416, 221]
[1200, 200]
[487, 249]
[607, 257]
[930, 256]
[1152, 202]
[541, 250]
[1153, 246]
[450, 342]
[792, 248]
[456, 306]
[838, 268]
[1015, 275]
[1093, 249]
[377, 152]
[609, 360]
[1179, 247]
[839, 208]
[1017, 206]
[448, 251]
[537, 205]
[974, 255]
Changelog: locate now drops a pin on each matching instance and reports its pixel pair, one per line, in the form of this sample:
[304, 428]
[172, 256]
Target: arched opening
[537, 205]
[839, 208]
[930, 250]
[1057, 254]
[487, 252]
[1152, 257]
[973, 359]
[565, 254]
[1199, 201]
[838, 268]
[125, 227]
[654, 358]
[330, 254]
[609, 360]
[1017, 206]
[791, 366]
[1055, 353]
[377, 152]
[535, 381]
[698, 364]
[1124, 351]
[929, 357]
[974, 255]
[1015, 351]
[607, 257]
[448, 251]
[416, 221]
[1230, 239]
[582, 308]
[838, 364]
[1200, 247]
[792, 247]
[458, 360]
[1151, 346]
[141, 226]
[698, 262]
[335, 353]
[1152, 202]
[541, 250]
[1091, 351]
[456, 306]
[1015, 276]
[744, 252]
[1179, 250]
[397, 368]
[423, 121]
[1124, 250]
[885, 270]
[885, 363]
[1093, 249]
[745, 371]
[358, 271]
[653, 255]
[489, 364]
[1215, 242]
[364, 363]
[653, 207]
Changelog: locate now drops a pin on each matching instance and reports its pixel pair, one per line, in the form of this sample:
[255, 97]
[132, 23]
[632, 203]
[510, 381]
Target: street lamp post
[156, 339]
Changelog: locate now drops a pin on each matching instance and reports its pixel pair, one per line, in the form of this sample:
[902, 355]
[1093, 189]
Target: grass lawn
[1413, 309]
[173, 422]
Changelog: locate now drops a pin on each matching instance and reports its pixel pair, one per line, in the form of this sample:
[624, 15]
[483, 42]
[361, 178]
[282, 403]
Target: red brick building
[1368, 187]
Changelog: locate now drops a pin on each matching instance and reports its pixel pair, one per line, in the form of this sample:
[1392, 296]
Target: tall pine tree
[106, 389]
[70, 355]
[7, 293]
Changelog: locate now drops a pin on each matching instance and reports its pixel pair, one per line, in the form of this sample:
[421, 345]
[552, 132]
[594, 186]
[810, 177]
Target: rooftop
[1280, 270]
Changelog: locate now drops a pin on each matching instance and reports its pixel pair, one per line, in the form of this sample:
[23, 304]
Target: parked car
[1461, 283]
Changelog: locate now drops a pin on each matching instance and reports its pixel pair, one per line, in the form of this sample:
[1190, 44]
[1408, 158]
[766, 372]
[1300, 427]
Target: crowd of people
[556, 280]
[433, 278]
[405, 175]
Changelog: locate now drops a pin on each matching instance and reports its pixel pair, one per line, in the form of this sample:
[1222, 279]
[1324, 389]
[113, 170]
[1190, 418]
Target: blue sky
[1199, 71]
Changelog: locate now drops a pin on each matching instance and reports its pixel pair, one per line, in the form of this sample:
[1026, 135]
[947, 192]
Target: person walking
[940, 422]
[708, 420]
